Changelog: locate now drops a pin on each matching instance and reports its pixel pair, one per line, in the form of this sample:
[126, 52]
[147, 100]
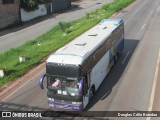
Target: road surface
[16, 38]
[133, 83]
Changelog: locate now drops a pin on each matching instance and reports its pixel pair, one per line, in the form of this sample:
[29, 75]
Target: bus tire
[92, 92]
[118, 54]
[115, 58]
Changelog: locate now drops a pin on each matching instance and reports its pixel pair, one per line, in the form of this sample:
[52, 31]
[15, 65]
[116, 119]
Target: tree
[30, 5]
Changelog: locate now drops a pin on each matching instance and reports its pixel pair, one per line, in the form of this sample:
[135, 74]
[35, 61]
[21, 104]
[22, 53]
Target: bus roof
[83, 46]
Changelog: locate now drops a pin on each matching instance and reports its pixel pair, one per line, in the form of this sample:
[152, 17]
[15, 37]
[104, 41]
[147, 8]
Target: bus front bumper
[60, 105]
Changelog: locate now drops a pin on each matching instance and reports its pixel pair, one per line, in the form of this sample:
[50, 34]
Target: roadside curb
[9, 87]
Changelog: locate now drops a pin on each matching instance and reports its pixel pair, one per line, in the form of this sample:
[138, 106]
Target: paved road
[130, 84]
[16, 38]
[139, 78]
[132, 90]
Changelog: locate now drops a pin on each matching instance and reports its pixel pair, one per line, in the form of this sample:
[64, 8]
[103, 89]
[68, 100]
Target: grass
[47, 43]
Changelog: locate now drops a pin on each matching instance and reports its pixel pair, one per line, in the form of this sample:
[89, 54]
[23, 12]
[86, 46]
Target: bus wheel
[115, 58]
[92, 92]
[118, 54]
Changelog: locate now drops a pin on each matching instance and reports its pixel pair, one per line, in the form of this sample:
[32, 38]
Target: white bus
[75, 71]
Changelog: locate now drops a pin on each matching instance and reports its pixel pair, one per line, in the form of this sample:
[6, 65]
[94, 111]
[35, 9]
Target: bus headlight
[51, 99]
[76, 102]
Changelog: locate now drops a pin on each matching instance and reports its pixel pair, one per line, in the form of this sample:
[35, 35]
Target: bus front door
[85, 94]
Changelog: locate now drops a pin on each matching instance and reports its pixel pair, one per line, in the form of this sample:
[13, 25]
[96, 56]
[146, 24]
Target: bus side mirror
[41, 82]
[80, 87]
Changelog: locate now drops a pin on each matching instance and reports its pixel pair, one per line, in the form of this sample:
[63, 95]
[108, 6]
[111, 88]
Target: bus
[75, 71]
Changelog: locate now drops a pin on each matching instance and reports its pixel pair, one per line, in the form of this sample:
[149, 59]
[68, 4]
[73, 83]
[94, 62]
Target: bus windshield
[63, 85]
